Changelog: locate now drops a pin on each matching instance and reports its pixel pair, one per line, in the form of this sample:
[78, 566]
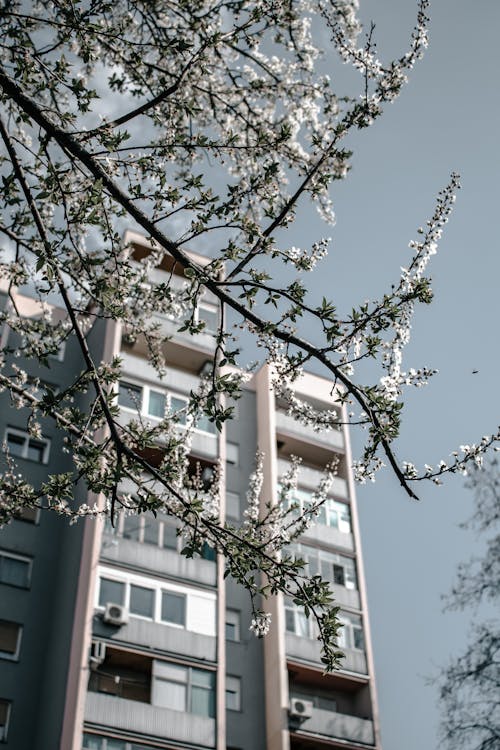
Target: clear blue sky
[447, 119]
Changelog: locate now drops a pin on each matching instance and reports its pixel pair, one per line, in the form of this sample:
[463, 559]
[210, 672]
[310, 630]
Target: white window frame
[27, 437]
[303, 551]
[302, 497]
[7, 655]
[158, 586]
[156, 677]
[146, 389]
[210, 307]
[346, 639]
[28, 560]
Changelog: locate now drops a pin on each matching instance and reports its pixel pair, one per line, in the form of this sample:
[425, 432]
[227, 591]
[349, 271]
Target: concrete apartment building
[110, 639]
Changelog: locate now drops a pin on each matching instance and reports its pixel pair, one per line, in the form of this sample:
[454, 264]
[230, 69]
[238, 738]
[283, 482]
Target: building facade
[110, 639]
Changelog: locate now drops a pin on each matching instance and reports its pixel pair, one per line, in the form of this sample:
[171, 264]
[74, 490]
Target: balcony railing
[288, 425]
[328, 535]
[151, 558]
[150, 721]
[202, 443]
[309, 650]
[310, 478]
[338, 726]
[160, 637]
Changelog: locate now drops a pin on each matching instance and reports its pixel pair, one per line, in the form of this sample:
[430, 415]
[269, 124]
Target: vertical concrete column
[81, 637]
[275, 672]
[361, 583]
[221, 610]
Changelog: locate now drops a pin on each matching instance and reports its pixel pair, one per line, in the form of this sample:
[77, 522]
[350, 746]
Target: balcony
[158, 636]
[309, 650]
[203, 444]
[288, 425]
[146, 557]
[336, 726]
[150, 721]
[345, 597]
[326, 535]
[310, 478]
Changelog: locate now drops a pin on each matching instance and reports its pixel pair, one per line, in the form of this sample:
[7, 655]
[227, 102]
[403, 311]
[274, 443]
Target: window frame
[4, 728]
[158, 586]
[189, 683]
[27, 438]
[23, 558]
[169, 394]
[236, 614]
[236, 691]
[14, 656]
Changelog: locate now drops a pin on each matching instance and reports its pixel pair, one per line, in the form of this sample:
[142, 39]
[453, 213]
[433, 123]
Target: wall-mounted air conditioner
[115, 614]
[300, 709]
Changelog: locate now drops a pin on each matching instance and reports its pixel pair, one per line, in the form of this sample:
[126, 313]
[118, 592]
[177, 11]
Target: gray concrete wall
[245, 728]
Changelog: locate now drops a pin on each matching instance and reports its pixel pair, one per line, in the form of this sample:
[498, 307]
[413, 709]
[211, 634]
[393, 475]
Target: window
[29, 515]
[111, 591]
[15, 570]
[232, 453]
[10, 639]
[156, 404]
[351, 635]
[22, 445]
[4, 719]
[338, 569]
[183, 688]
[141, 601]
[209, 315]
[332, 513]
[129, 395]
[173, 608]
[131, 527]
[99, 742]
[169, 604]
[232, 625]
[233, 505]
[233, 693]
[297, 622]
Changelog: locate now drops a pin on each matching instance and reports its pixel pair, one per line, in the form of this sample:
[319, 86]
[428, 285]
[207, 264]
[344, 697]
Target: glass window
[111, 591]
[208, 552]
[232, 625]
[129, 395]
[232, 453]
[10, 638]
[338, 575]
[170, 695]
[173, 608]
[169, 536]
[204, 424]
[30, 515]
[157, 404]
[36, 450]
[15, 571]
[359, 641]
[141, 601]
[233, 693]
[20, 444]
[15, 444]
[91, 742]
[202, 693]
[209, 316]
[4, 719]
[151, 529]
[131, 527]
[233, 505]
[178, 407]
[116, 744]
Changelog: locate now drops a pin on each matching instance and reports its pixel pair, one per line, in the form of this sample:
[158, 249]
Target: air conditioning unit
[300, 709]
[115, 614]
[97, 654]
